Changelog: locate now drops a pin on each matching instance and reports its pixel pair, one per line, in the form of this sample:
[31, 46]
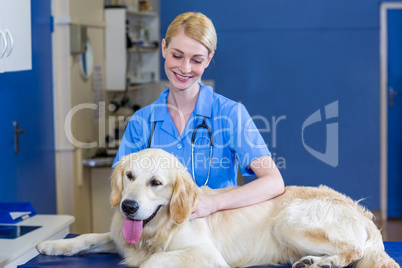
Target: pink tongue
[132, 230]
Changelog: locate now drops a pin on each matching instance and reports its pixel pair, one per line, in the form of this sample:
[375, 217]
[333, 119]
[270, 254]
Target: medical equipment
[211, 145]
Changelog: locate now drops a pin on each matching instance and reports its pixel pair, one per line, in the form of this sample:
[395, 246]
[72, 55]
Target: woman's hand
[204, 207]
[269, 184]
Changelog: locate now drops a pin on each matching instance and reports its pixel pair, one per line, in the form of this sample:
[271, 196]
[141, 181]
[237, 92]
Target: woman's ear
[184, 197]
[210, 56]
[117, 183]
[164, 48]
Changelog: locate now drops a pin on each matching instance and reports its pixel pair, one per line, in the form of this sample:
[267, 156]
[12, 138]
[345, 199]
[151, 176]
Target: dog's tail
[374, 255]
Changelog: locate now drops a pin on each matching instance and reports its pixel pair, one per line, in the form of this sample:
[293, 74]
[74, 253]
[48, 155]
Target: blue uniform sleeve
[247, 142]
[135, 137]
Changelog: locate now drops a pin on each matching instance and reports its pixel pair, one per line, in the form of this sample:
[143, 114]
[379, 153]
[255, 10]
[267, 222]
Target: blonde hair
[195, 25]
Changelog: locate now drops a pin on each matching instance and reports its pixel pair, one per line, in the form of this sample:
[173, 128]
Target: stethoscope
[211, 145]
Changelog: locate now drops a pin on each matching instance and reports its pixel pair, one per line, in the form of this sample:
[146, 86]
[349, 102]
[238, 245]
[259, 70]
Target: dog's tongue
[132, 230]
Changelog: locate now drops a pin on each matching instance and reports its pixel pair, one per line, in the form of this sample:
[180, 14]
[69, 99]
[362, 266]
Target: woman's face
[185, 61]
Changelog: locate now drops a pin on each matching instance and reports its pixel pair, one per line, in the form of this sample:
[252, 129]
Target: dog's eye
[129, 175]
[155, 182]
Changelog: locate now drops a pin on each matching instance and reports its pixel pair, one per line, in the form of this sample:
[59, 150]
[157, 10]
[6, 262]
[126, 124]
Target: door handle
[392, 95]
[17, 132]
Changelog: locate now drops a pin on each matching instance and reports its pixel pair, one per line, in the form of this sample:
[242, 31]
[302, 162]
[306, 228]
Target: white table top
[12, 249]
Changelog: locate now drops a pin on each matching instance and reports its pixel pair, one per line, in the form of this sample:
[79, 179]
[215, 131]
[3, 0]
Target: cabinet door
[16, 26]
[115, 49]
[102, 213]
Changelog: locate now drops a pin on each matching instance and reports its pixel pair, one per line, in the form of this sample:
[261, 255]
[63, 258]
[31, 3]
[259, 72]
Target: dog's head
[145, 182]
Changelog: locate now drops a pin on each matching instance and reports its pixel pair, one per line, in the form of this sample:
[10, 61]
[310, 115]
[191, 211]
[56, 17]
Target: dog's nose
[129, 207]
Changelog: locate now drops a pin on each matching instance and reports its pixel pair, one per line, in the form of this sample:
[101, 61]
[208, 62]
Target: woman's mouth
[182, 78]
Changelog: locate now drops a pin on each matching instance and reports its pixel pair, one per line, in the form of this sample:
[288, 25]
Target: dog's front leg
[192, 257]
[86, 243]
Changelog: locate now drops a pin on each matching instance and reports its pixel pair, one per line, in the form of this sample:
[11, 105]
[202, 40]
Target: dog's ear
[184, 197]
[117, 183]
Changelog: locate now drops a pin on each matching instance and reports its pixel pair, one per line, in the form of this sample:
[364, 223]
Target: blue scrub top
[237, 141]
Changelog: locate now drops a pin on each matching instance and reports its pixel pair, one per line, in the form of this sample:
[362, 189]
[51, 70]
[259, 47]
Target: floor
[391, 229]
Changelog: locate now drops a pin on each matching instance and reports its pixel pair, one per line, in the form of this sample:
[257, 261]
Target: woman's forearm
[254, 192]
[269, 184]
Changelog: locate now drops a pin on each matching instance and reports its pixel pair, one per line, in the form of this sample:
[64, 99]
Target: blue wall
[288, 59]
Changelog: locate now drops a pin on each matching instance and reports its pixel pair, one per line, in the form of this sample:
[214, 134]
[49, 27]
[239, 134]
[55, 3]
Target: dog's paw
[314, 262]
[57, 247]
[303, 263]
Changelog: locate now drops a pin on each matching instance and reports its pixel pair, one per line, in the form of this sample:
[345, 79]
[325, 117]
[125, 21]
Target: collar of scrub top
[203, 108]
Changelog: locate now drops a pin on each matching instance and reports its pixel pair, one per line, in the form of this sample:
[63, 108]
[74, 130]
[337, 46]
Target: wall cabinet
[132, 48]
[101, 210]
[15, 35]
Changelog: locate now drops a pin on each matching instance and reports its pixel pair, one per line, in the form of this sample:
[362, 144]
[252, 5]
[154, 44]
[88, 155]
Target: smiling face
[185, 61]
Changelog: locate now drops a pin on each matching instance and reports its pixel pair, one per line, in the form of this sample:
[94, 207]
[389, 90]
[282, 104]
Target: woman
[225, 138]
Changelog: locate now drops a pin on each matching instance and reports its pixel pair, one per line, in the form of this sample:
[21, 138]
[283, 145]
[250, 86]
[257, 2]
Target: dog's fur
[307, 226]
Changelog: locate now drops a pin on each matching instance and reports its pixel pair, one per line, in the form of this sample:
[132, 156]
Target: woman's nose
[185, 67]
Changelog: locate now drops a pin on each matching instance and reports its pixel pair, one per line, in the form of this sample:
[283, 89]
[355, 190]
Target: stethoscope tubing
[211, 145]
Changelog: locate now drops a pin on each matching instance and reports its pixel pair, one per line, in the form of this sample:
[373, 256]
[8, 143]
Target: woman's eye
[197, 61]
[129, 175]
[156, 183]
[176, 56]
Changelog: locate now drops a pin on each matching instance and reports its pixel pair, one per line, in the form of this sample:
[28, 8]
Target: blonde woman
[211, 135]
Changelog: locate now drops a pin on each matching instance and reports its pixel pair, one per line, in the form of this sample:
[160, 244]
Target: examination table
[394, 249]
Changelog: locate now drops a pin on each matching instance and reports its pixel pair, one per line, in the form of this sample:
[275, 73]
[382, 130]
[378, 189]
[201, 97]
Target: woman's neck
[181, 104]
[183, 100]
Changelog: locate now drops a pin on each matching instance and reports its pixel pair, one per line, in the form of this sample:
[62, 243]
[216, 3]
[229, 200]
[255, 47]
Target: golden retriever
[306, 226]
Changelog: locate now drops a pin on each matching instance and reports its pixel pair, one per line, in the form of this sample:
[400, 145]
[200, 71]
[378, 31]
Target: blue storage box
[9, 207]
